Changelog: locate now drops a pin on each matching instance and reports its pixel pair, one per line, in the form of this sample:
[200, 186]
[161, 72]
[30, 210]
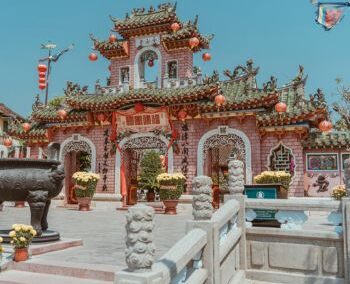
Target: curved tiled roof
[335, 139]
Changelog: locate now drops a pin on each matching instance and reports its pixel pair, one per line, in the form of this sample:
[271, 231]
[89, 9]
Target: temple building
[157, 99]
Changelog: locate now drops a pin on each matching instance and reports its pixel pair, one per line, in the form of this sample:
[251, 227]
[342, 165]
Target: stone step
[22, 277]
[72, 269]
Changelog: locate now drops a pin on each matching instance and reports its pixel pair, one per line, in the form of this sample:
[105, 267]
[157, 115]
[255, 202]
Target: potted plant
[280, 179]
[338, 192]
[85, 186]
[151, 167]
[171, 187]
[21, 237]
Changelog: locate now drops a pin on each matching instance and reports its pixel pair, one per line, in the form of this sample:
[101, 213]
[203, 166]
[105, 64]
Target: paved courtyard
[102, 230]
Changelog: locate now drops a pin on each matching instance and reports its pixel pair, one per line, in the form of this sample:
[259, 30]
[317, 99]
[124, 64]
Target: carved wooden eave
[281, 131]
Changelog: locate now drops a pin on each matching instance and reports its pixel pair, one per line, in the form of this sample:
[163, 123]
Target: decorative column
[202, 198]
[236, 176]
[140, 250]
[347, 176]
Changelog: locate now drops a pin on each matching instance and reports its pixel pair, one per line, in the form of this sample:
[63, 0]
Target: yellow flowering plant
[268, 177]
[85, 183]
[171, 185]
[1, 247]
[339, 191]
[21, 235]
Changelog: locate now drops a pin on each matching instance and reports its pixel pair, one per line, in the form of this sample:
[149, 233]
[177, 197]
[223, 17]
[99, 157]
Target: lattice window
[282, 159]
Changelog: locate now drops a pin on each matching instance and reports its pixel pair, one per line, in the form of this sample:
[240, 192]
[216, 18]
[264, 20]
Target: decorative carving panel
[76, 146]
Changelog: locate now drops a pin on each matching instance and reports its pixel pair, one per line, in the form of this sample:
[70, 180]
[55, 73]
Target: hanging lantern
[101, 117]
[206, 56]
[42, 75]
[220, 100]
[281, 107]
[42, 80]
[139, 107]
[26, 126]
[175, 27]
[193, 42]
[112, 38]
[42, 86]
[151, 63]
[8, 142]
[325, 126]
[182, 115]
[62, 113]
[42, 68]
[92, 56]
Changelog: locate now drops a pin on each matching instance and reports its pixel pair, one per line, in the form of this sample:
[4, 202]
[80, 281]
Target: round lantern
[175, 27]
[193, 42]
[62, 113]
[182, 115]
[220, 100]
[150, 63]
[42, 68]
[26, 126]
[42, 86]
[42, 80]
[206, 56]
[139, 107]
[281, 107]
[42, 75]
[92, 56]
[101, 117]
[112, 38]
[325, 126]
[7, 142]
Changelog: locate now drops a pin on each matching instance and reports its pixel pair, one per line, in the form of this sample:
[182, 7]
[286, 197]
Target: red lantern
[150, 63]
[220, 100]
[325, 126]
[42, 86]
[175, 27]
[92, 56]
[281, 107]
[62, 113]
[206, 56]
[42, 75]
[42, 80]
[139, 107]
[112, 38]
[193, 42]
[26, 126]
[182, 115]
[7, 142]
[101, 117]
[42, 68]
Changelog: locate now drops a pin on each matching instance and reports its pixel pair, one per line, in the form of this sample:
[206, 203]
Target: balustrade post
[140, 250]
[202, 211]
[236, 188]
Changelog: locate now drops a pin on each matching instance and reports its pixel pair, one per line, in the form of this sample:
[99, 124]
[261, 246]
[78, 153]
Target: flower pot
[19, 204]
[170, 206]
[21, 254]
[150, 195]
[84, 203]
[216, 196]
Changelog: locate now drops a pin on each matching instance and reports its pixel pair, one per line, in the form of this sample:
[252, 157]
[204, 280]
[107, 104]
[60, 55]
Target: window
[282, 159]
[172, 69]
[343, 158]
[5, 126]
[124, 75]
[322, 162]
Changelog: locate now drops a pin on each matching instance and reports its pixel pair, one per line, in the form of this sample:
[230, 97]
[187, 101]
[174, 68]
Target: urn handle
[53, 151]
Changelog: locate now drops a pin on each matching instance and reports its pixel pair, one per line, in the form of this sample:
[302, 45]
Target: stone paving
[102, 230]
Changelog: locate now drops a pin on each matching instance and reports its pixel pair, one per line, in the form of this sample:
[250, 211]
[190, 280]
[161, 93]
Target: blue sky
[277, 35]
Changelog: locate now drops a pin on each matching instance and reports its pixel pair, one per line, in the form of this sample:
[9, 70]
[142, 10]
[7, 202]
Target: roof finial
[195, 20]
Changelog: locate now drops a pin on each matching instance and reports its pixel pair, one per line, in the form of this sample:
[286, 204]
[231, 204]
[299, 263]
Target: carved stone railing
[291, 213]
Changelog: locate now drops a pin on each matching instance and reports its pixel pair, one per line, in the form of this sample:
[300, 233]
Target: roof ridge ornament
[318, 99]
[300, 78]
[74, 89]
[211, 79]
[37, 103]
[270, 85]
[241, 70]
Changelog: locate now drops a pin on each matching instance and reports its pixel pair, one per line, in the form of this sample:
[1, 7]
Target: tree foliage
[151, 167]
[343, 107]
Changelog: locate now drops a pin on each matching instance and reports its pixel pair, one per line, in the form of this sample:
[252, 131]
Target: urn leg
[44, 224]
[37, 202]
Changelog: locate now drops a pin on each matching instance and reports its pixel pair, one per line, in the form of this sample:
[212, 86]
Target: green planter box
[265, 191]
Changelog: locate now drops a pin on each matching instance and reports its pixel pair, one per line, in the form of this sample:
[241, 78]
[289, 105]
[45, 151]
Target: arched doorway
[216, 146]
[78, 153]
[148, 68]
[130, 154]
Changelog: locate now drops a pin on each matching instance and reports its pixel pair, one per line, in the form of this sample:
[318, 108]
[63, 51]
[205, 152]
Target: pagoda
[197, 122]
